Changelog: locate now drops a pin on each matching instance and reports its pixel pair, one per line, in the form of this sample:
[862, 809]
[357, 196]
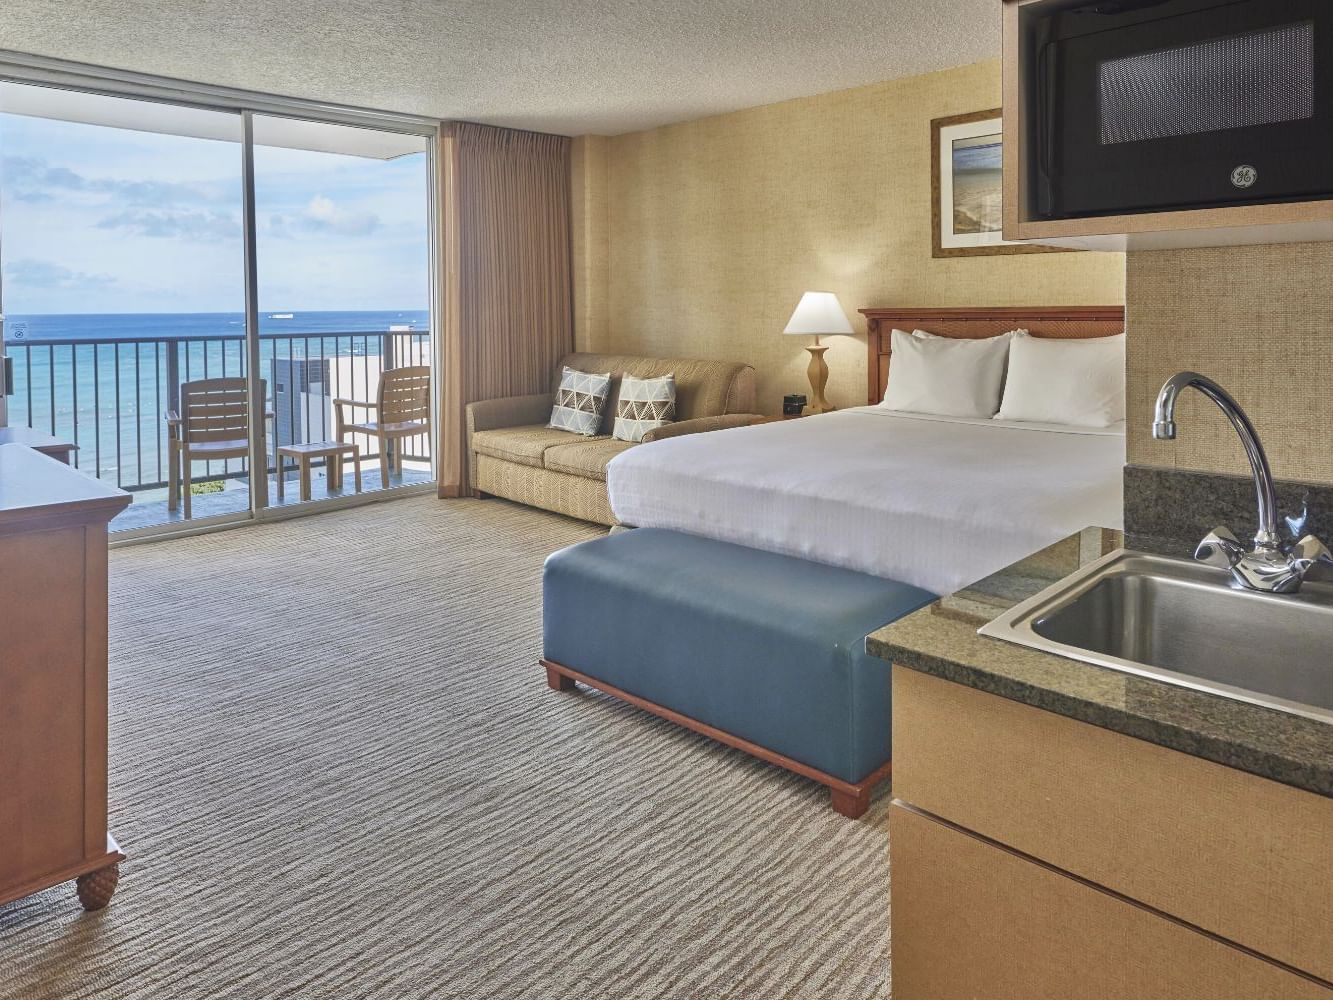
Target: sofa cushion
[524, 445]
[585, 458]
[580, 401]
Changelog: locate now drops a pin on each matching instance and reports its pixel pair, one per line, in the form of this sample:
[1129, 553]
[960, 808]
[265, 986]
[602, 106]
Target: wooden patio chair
[402, 410]
[213, 425]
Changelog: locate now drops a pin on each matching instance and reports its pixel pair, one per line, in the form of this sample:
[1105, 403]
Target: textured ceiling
[572, 67]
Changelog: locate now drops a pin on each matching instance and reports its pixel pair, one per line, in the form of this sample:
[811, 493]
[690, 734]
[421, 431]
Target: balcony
[110, 397]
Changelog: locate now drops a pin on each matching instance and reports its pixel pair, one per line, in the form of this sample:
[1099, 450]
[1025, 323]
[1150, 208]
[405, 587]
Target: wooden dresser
[53, 678]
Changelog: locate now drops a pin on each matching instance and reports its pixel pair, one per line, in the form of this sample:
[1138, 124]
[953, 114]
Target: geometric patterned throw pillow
[579, 402]
[645, 403]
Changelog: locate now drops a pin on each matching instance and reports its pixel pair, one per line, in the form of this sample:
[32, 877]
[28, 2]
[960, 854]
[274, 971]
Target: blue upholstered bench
[761, 651]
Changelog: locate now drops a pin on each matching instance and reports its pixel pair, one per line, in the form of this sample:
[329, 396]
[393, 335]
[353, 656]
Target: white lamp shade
[818, 313]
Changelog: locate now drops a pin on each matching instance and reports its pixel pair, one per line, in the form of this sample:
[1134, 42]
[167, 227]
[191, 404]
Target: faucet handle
[1310, 552]
[1220, 548]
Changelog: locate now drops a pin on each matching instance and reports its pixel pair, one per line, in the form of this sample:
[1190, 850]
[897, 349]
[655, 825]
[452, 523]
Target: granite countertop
[942, 639]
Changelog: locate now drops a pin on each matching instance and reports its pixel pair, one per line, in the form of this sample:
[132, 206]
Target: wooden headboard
[974, 323]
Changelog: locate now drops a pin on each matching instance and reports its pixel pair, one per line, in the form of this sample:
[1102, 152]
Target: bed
[931, 501]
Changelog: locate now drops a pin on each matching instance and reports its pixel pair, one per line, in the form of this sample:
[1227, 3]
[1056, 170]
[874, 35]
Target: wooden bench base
[851, 800]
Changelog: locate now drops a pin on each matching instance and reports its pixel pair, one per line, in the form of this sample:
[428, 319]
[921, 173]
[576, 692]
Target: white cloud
[322, 216]
[34, 178]
[175, 224]
[29, 273]
[322, 209]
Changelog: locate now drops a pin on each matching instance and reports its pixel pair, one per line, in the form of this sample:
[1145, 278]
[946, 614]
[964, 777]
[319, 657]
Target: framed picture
[967, 186]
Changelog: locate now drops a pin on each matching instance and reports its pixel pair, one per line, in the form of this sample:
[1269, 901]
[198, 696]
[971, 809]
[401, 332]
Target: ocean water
[130, 326]
[106, 380]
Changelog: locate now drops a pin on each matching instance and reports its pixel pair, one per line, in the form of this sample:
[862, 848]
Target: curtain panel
[508, 314]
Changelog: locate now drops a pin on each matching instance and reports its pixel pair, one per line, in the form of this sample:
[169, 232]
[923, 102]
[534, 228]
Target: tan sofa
[516, 456]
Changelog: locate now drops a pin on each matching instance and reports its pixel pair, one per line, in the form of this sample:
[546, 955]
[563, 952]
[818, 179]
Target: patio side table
[304, 453]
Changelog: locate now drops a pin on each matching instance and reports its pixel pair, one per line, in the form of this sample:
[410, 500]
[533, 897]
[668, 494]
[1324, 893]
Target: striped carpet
[339, 773]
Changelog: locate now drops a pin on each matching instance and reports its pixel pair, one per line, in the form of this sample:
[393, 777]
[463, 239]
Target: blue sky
[100, 220]
[974, 155]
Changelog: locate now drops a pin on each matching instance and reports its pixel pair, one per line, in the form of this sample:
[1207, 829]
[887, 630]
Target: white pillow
[1075, 382]
[927, 335]
[951, 378]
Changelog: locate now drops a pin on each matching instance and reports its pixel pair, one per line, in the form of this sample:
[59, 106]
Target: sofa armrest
[700, 424]
[511, 411]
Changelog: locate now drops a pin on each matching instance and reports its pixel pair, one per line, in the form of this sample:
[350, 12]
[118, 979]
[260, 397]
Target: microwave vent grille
[1257, 78]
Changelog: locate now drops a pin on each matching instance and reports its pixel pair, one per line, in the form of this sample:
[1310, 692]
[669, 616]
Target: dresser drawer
[1234, 854]
[973, 921]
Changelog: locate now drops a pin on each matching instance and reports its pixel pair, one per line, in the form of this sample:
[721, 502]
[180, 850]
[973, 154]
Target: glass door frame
[23, 68]
[4, 363]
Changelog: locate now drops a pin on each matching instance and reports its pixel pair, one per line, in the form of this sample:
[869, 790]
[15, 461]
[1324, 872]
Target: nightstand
[780, 417]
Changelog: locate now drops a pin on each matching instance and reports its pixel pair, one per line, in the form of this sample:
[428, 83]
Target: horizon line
[265, 313]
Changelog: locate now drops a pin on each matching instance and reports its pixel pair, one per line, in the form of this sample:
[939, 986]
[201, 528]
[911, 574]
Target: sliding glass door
[225, 311]
[121, 237]
[343, 249]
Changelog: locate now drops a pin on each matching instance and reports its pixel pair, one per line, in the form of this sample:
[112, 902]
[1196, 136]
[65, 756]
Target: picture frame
[966, 188]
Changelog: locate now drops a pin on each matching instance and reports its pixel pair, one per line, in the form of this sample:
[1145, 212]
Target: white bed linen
[939, 502]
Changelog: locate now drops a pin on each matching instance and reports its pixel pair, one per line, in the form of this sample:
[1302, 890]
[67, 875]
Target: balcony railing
[109, 396]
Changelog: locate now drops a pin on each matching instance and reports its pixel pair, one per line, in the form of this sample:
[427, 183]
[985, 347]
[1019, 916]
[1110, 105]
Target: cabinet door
[1234, 854]
[972, 920]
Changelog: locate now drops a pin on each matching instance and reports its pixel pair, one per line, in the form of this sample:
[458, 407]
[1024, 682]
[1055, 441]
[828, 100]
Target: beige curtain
[508, 305]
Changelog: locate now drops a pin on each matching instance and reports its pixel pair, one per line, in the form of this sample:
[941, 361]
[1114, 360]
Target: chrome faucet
[1272, 566]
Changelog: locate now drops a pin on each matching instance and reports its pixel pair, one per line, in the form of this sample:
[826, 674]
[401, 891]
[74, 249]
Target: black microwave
[1156, 105]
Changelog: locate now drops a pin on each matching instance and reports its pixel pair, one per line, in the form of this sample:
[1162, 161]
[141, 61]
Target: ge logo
[1244, 176]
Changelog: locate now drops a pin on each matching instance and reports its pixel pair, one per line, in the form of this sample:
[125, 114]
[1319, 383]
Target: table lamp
[818, 314]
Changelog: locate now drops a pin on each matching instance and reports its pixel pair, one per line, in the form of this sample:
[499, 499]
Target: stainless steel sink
[1183, 623]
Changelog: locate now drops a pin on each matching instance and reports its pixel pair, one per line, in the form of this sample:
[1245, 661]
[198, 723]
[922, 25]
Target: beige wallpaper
[698, 239]
[1259, 320]
[588, 239]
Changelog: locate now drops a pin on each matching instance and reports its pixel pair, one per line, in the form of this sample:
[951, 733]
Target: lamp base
[818, 372]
